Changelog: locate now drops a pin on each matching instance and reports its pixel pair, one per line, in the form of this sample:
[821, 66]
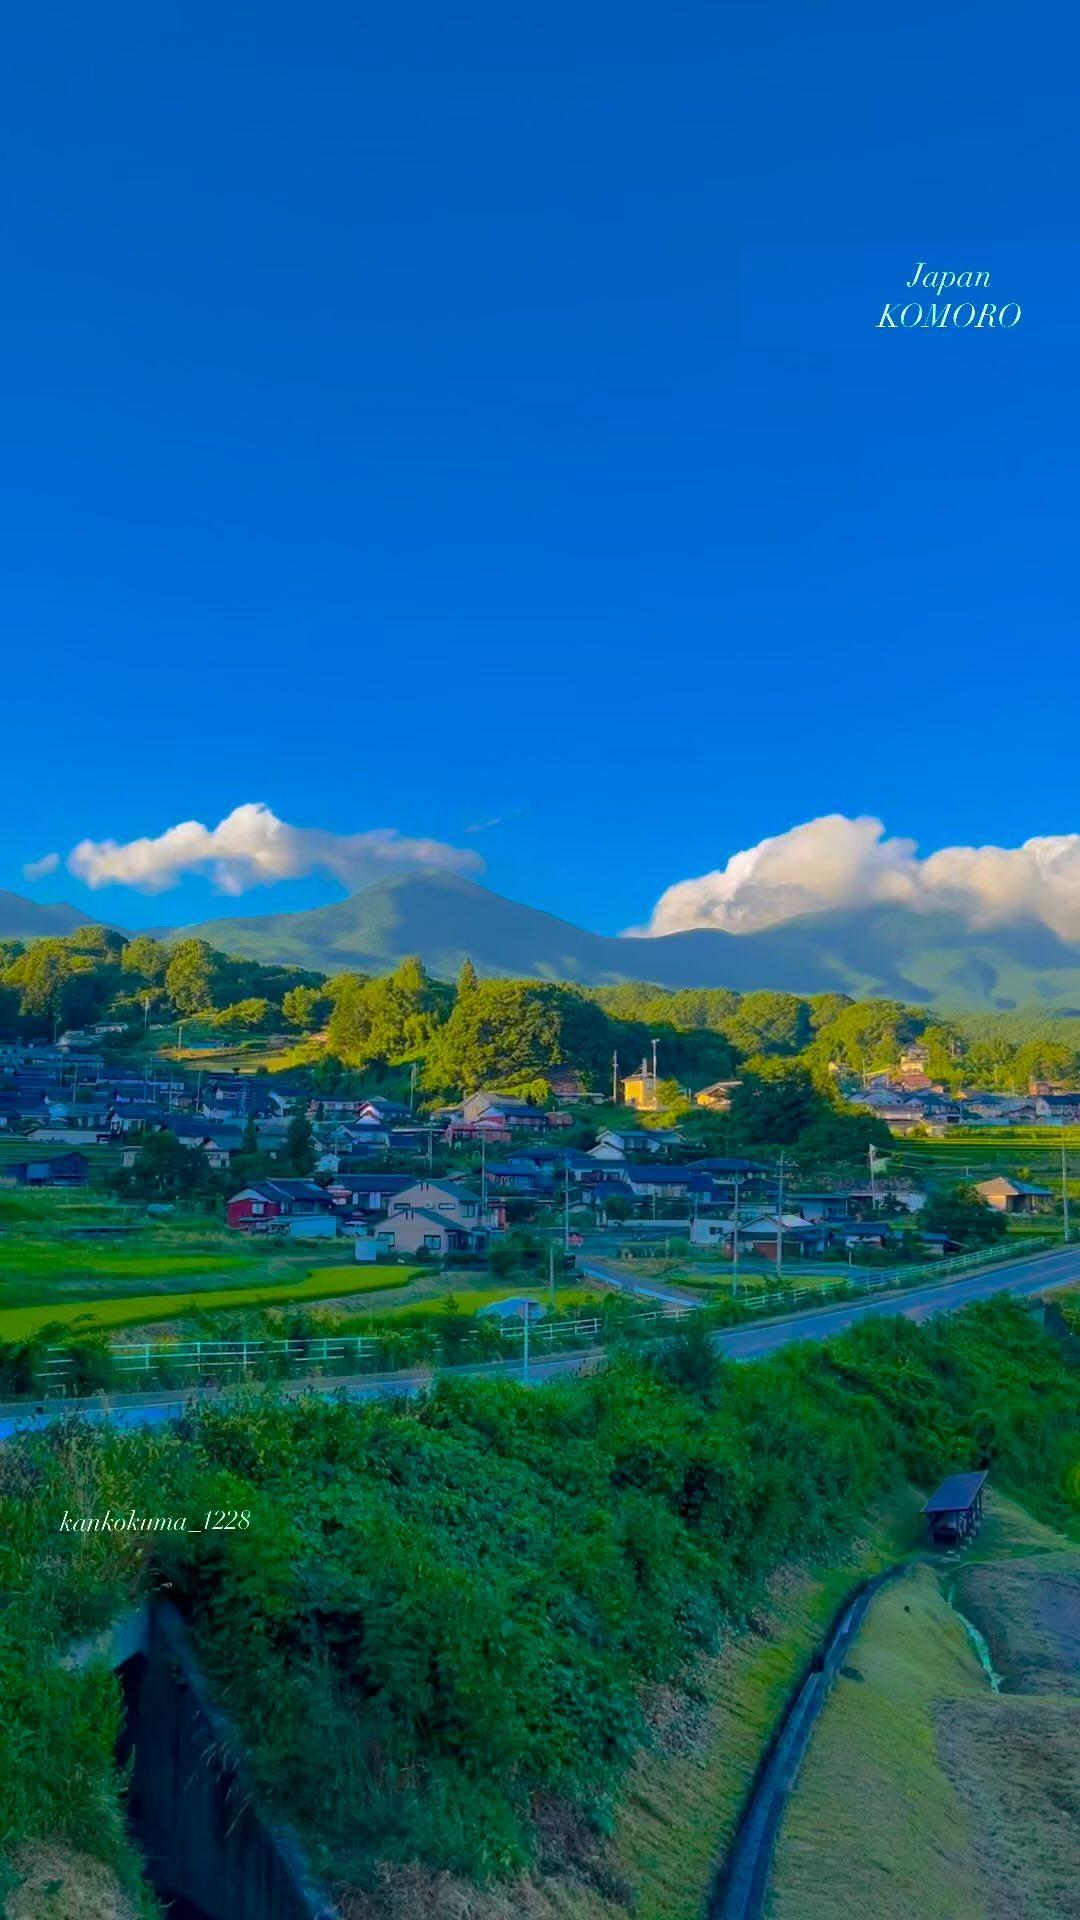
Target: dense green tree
[505, 1031]
[868, 1035]
[306, 1007]
[393, 1018]
[838, 1140]
[146, 957]
[165, 1169]
[297, 1157]
[826, 1007]
[57, 985]
[248, 1016]
[964, 1216]
[1044, 1059]
[102, 943]
[774, 1103]
[772, 1023]
[192, 976]
[671, 1100]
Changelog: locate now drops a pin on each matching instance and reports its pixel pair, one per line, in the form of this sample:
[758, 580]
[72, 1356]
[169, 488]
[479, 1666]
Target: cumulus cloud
[839, 862]
[251, 847]
[37, 869]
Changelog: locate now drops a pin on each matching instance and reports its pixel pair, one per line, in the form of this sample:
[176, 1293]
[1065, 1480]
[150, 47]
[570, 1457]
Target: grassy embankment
[598, 1574]
[923, 1791]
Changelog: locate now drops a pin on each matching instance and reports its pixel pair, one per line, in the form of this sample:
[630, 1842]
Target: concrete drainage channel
[208, 1854]
[742, 1886]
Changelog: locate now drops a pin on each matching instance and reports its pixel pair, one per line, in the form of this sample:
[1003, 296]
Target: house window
[257, 1206]
[433, 1241]
[385, 1239]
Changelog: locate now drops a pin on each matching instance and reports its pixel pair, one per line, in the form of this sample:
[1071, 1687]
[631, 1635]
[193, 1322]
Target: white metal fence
[358, 1353]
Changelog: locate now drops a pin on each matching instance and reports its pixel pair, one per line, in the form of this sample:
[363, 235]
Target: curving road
[1034, 1274]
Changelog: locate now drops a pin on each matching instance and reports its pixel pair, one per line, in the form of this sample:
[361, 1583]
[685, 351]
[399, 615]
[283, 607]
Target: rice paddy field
[80, 1258]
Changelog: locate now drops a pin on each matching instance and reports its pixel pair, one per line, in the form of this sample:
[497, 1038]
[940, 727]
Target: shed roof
[955, 1494]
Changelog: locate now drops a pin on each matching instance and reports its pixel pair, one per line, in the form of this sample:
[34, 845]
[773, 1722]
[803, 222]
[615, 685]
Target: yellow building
[639, 1090]
[717, 1097]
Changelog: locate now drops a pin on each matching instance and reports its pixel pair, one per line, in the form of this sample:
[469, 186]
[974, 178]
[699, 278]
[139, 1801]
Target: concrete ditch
[205, 1845]
[743, 1882]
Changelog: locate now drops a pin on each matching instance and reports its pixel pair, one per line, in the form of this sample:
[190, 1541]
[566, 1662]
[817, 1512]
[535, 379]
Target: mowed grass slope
[924, 1792]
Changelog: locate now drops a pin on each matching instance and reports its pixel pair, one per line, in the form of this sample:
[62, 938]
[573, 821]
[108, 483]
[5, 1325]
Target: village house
[506, 1111]
[1057, 1109]
[440, 1217]
[552, 1162]
[58, 1170]
[367, 1192]
[299, 1204]
[758, 1234]
[824, 1206]
[640, 1089]
[217, 1143]
[355, 1139]
[995, 1109]
[382, 1113]
[615, 1143]
[511, 1177]
[1006, 1195]
[717, 1098]
[665, 1182]
[567, 1087]
[750, 1179]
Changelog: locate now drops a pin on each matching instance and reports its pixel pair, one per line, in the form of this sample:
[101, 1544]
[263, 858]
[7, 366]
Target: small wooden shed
[953, 1513]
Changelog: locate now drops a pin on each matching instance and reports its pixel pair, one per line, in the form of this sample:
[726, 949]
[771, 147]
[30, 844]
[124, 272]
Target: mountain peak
[444, 917]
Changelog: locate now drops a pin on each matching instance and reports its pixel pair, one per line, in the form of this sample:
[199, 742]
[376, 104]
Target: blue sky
[417, 418]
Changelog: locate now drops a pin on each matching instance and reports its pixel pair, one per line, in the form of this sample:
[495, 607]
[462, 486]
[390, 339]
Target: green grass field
[56, 1260]
[94, 1315]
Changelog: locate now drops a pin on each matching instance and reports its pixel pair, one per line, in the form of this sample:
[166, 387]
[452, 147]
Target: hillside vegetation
[442, 1625]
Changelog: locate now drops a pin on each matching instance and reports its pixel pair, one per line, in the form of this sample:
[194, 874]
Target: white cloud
[838, 862]
[37, 869]
[251, 847]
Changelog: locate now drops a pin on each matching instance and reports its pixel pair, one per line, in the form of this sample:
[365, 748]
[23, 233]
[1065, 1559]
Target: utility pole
[551, 1269]
[525, 1347]
[780, 1221]
[566, 1207]
[873, 1179]
[1064, 1183]
[735, 1240]
[615, 1079]
[412, 1089]
[483, 1176]
[655, 1044]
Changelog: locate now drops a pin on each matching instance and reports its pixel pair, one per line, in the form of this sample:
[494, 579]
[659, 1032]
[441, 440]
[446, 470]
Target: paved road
[1020, 1277]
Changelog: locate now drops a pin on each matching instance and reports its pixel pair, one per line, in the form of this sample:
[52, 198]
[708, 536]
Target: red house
[254, 1208]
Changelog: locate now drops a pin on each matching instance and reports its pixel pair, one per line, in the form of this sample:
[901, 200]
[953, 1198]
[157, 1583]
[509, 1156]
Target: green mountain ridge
[22, 919]
[932, 959]
[929, 958]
